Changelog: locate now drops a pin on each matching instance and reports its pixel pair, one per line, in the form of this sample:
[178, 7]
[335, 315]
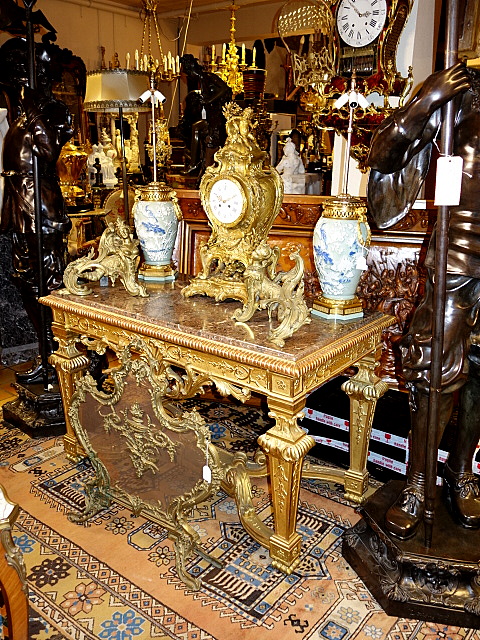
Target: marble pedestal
[37, 412]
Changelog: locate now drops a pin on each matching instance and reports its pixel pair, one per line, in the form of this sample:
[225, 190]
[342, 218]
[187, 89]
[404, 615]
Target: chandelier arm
[157, 31]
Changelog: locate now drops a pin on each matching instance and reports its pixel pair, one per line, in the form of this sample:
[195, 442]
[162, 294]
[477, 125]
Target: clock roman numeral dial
[360, 22]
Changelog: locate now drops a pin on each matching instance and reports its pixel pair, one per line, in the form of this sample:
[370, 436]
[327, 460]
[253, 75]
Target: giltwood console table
[198, 337]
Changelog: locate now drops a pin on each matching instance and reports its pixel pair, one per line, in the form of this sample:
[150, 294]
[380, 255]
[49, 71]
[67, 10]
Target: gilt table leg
[70, 364]
[364, 389]
[285, 445]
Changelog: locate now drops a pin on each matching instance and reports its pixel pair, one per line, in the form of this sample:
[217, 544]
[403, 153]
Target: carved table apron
[198, 336]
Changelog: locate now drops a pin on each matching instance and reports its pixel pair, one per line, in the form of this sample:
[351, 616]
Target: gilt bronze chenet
[117, 257]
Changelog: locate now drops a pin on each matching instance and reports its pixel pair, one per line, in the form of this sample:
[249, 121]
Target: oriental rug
[114, 577]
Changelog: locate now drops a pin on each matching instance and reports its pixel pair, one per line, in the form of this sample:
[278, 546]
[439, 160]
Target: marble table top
[167, 314]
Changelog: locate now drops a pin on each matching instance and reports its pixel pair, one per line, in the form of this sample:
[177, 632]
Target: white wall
[85, 26]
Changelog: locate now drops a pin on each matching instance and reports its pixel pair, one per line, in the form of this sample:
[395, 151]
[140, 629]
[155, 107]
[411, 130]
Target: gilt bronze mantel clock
[241, 201]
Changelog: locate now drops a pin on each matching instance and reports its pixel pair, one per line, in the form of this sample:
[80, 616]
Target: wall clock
[366, 36]
[360, 22]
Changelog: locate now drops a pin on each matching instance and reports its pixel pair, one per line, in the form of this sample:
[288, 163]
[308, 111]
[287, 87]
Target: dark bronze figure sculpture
[214, 94]
[399, 159]
[39, 127]
[193, 130]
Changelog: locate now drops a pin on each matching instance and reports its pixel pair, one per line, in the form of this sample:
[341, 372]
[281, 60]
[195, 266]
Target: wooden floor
[7, 376]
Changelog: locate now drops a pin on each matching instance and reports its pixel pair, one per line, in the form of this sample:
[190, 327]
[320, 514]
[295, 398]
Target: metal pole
[37, 202]
[443, 219]
[124, 168]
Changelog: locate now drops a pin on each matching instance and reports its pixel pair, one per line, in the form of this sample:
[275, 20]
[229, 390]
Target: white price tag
[207, 473]
[361, 262]
[448, 183]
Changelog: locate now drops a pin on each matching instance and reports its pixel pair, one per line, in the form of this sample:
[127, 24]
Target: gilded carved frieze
[299, 214]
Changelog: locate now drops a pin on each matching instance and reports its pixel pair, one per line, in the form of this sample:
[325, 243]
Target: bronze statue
[39, 127]
[214, 94]
[193, 130]
[399, 159]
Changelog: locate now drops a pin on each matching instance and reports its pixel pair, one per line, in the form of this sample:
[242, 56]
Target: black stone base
[36, 412]
[440, 584]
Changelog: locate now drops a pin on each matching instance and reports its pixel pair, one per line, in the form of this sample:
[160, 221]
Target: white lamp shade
[110, 89]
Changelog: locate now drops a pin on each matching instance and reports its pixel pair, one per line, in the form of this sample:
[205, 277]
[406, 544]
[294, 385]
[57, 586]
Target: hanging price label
[207, 473]
[361, 263]
[448, 181]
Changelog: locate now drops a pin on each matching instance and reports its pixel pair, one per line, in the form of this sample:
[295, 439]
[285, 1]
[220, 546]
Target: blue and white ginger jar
[156, 215]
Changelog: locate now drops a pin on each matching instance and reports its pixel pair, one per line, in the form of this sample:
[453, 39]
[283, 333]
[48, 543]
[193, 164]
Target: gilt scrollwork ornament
[117, 257]
[146, 453]
[280, 293]
[242, 199]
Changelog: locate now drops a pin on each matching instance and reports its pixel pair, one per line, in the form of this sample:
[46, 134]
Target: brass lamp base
[337, 309]
[156, 273]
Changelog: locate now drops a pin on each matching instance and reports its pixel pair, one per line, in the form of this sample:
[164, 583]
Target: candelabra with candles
[231, 65]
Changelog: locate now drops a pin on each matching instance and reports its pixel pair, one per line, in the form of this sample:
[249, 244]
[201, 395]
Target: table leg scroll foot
[364, 389]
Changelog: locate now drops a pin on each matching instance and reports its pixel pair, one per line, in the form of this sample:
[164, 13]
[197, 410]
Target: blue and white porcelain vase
[340, 242]
[156, 215]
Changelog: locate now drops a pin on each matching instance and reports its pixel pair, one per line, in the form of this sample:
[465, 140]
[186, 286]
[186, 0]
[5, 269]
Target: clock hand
[355, 9]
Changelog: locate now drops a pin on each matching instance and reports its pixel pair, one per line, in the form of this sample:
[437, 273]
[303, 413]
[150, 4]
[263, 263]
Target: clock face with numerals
[359, 22]
[226, 200]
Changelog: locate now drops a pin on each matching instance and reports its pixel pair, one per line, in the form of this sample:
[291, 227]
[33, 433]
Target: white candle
[213, 53]
[145, 62]
[253, 58]
[243, 53]
[224, 48]
[165, 64]
[178, 65]
[136, 59]
[127, 61]
[169, 58]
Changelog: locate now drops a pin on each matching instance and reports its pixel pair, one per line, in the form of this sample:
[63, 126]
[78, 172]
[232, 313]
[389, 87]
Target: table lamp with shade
[341, 237]
[156, 211]
[112, 90]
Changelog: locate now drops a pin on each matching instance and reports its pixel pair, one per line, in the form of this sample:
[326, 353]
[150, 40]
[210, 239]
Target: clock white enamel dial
[359, 22]
[226, 200]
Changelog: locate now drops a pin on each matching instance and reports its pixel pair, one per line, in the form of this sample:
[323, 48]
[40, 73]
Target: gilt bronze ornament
[242, 199]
